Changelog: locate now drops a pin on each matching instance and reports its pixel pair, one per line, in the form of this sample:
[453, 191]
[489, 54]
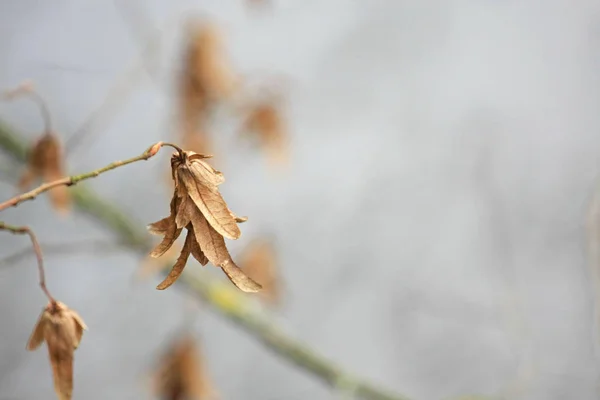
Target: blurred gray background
[431, 227]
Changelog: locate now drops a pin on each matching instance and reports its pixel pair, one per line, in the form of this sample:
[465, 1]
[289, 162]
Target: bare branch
[25, 230]
[72, 180]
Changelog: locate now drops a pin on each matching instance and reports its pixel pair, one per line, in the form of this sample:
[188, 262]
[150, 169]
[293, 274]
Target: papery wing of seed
[170, 237]
[209, 240]
[80, 326]
[239, 278]
[59, 339]
[184, 212]
[204, 172]
[196, 250]
[177, 269]
[37, 335]
[212, 206]
[160, 227]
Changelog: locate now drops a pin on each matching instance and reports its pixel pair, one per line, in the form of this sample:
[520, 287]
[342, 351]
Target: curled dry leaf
[266, 123]
[181, 373]
[197, 207]
[61, 328]
[259, 262]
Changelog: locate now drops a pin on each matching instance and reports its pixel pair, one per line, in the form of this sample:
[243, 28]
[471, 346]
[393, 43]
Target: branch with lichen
[225, 300]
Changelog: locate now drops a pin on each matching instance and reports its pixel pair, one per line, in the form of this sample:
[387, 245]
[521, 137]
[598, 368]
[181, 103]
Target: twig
[25, 230]
[217, 294]
[72, 180]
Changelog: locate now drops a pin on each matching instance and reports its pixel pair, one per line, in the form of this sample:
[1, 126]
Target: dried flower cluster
[181, 374]
[61, 328]
[198, 207]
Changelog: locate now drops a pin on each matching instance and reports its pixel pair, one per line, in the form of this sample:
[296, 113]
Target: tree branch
[25, 230]
[72, 180]
[223, 299]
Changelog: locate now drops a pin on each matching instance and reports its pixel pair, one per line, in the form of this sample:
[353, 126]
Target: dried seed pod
[198, 207]
[61, 328]
[181, 373]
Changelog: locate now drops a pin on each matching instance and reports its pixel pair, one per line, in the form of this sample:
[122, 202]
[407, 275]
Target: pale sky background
[430, 227]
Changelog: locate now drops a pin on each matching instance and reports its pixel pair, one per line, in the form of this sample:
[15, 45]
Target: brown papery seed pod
[61, 328]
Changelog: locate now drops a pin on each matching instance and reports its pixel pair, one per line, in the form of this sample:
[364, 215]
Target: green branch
[219, 294]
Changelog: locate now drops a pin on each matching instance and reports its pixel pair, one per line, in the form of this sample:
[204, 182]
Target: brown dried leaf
[210, 203]
[213, 246]
[196, 250]
[239, 278]
[62, 329]
[177, 269]
[166, 227]
[258, 261]
[181, 373]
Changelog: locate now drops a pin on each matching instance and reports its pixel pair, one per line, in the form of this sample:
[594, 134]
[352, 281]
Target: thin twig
[25, 230]
[219, 295]
[72, 180]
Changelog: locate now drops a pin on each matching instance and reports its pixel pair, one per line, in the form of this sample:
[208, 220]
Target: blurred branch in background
[223, 299]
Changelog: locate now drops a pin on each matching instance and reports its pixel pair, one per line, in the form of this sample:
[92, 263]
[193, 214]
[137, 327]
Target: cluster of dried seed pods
[198, 207]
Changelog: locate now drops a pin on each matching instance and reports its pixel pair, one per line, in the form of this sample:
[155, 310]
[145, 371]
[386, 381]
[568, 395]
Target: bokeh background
[430, 226]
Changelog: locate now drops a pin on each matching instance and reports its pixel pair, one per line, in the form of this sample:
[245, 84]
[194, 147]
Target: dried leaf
[196, 250]
[177, 269]
[61, 328]
[258, 261]
[167, 227]
[239, 278]
[181, 373]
